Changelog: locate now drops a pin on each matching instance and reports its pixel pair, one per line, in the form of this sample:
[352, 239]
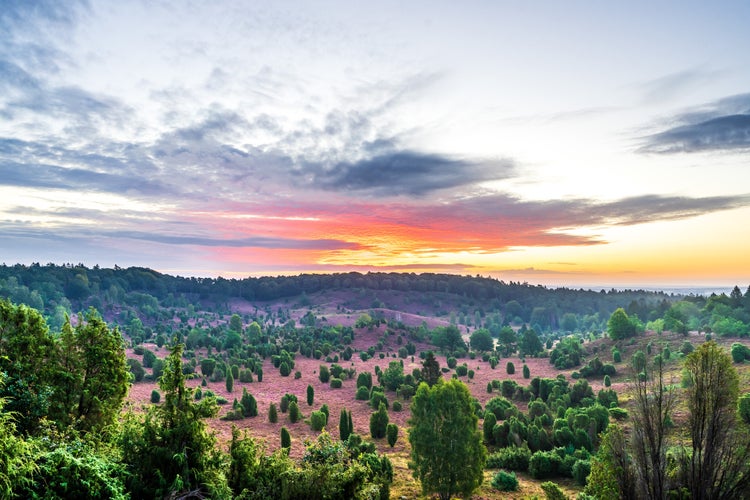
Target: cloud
[720, 126]
[408, 173]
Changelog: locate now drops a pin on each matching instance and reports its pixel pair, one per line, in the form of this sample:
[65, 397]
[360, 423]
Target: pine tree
[344, 429]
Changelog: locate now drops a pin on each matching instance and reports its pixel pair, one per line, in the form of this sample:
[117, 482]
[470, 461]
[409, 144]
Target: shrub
[511, 458]
[297, 375]
[471, 374]
[391, 432]
[284, 405]
[544, 464]
[294, 413]
[618, 413]
[246, 376]
[743, 408]
[376, 398]
[317, 420]
[336, 383]
[324, 374]
[136, 369]
[310, 395]
[363, 394]
[510, 368]
[553, 491]
[526, 372]
[607, 381]
[616, 356]
[364, 379]
[451, 362]
[505, 481]
[581, 471]
[273, 415]
[462, 370]
[155, 396]
[397, 406]
[286, 438]
[249, 404]
[379, 422]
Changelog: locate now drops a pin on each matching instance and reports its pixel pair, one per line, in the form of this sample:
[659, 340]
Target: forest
[129, 383]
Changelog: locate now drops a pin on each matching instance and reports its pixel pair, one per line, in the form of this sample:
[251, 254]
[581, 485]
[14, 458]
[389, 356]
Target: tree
[170, 452]
[430, 369]
[94, 378]
[324, 374]
[249, 404]
[447, 452]
[391, 432]
[230, 381]
[28, 358]
[286, 438]
[393, 376]
[273, 414]
[530, 344]
[526, 372]
[310, 395]
[294, 412]
[235, 323]
[717, 466]
[510, 368]
[619, 325]
[481, 340]
[344, 429]
[654, 401]
[379, 422]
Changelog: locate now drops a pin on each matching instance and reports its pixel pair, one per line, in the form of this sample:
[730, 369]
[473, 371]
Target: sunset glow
[565, 144]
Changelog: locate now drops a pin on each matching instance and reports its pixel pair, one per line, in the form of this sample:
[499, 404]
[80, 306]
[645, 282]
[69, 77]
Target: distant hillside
[123, 294]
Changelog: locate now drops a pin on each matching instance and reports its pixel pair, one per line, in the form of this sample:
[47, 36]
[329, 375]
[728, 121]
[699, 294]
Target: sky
[579, 143]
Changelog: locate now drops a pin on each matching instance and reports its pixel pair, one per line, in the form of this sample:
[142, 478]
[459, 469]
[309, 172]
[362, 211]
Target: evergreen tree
[448, 456]
[170, 452]
[391, 432]
[379, 422]
[344, 430]
[273, 415]
[310, 395]
[286, 438]
[430, 369]
[230, 381]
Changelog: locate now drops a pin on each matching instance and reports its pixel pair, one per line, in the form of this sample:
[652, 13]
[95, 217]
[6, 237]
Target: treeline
[75, 287]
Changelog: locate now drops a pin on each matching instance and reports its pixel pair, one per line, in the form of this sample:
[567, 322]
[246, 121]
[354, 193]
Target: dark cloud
[252, 242]
[721, 126]
[408, 173]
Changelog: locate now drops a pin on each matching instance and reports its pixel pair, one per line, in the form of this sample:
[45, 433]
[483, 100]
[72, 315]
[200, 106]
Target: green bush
[553, 491]
[511, 458]
[286, 438]
[397, 406]
[246, 376]
[324, 374]
[544, 464]
[510, 368]
[618, 413]
[318, 420]
[336, 383]
[505, 481]
[581, 471]
[379, 422]
[294, 412]
[273, 414]
[155, 396]
[363, 393]
[391, 432]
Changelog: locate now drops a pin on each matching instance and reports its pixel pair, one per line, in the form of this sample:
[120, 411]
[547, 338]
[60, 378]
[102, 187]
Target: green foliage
[397, 406]
[344, 429]
[28, 360]
[740, 352]
[94, 375]
[136, 369]
[566, 354]
[430, 369]
[155, 396]
[169, 451]
[619, 325]
[441, 416]
[363, 394]
[208, 365]
[294, 412]
[481, 340]
[505, 481]
[324, 374]
[318, 420]
[526, 372]
[530, 345]
[310, 395]
[510, 368]
[544, 464]
[336, 383]
[379, 422]
[249, 404]
[552, 491]
[16, 460]
[391, 432]
[230, 381]
[273, 414]
[286, 438]
[743, 408]
[511, 458]
[74, 469]
[364, 379]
